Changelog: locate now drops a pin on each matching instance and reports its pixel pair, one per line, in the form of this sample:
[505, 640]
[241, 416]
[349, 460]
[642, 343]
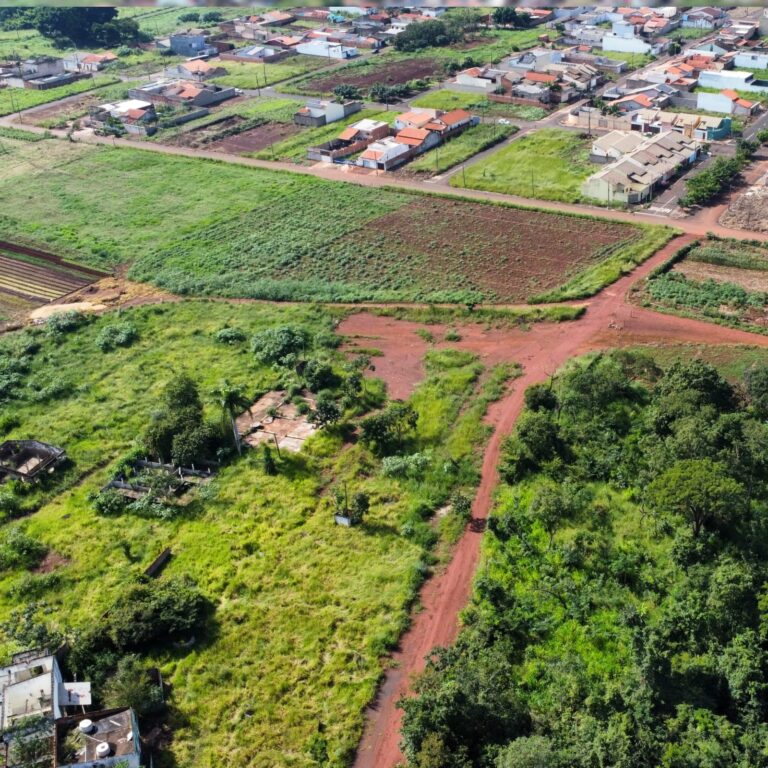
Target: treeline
[621, 616]
[74, 26]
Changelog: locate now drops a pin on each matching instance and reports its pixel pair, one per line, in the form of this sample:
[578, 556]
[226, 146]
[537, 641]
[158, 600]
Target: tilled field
[36, 280]
[255, 139]
[504, 254]
[365, 76]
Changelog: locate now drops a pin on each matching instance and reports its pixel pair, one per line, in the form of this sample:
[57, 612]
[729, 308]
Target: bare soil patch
[272, 420]
[507, 254]
[749, 210]
[255, 139]
[388, 73]
[51, 562]
[749, 279]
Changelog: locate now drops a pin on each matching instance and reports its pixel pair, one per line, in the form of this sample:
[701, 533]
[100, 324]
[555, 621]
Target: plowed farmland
[35, 279]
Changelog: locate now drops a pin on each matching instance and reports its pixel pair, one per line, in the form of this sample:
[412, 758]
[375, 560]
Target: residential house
[735, 33]
[582, 55]
[728, 102]
[708, 49]
[105, 739]
[32, 684]
[703, 18]
[449, 124]
[286, 42]
[584, 34]
[83, 61]
[133, 115]
[195, 69]
[256, 54]
[416, 118]
[384, 155]
[536, 60]
[637, 175]
[318, 113]
[478, 79]
[614, 145]
[326, 49]
[736, 80]
[191, 43]
[353, 139]
[39, 73]
[277, 18]
[752, 59]
[193, 94]
[418, 140]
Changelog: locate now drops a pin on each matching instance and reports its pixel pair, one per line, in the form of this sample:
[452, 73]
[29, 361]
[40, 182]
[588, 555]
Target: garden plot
[274, 420]
[255, 139]
[37, 280]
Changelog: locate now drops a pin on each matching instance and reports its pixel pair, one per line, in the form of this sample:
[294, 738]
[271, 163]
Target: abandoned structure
[27, 460]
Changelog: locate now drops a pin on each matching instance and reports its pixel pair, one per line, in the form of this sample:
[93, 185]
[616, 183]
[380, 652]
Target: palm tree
[232, 401]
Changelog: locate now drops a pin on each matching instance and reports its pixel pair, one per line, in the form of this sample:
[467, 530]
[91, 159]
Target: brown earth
[749, 210]
[51, 562]
[389, 73]
[748, 279]
[255, 139]
[610, 321]
[507, 254]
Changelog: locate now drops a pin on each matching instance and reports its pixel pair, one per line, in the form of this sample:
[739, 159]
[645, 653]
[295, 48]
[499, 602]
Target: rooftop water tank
[86, 726]
[103, 749]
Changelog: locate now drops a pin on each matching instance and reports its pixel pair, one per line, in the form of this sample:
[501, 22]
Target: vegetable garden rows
[34, 279]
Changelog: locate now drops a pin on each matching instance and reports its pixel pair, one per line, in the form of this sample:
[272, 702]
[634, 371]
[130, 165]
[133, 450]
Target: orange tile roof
[419, 118]
[198, 65]
[730, 94]
[412, 136]
[371, 154]
[472, 72]
[348, 134]
[746, 104]
[540, 77]
[455, 116]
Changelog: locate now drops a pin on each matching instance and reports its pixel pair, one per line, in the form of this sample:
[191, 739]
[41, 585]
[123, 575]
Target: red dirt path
[610, 321]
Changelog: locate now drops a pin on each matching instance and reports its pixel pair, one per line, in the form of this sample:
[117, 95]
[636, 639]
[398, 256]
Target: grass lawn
[294, 148]
[461, 148]
[251, 76]
[24, 44]
[634, 60]
[304, 608]
[14, 99]
[689, 33]
[549, 164]
[477, 104]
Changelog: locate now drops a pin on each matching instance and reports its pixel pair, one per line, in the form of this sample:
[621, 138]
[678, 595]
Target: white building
[751, 59]
[727, 102]
[623, 44]
[732, 79]
[326, 49]
[385, 154]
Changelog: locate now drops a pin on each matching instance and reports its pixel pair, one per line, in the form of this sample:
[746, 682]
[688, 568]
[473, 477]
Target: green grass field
[249, 76]
[15, 99]
[24, 44]
[476, 104]
[549, 164]
[461, 148]
[304, 608]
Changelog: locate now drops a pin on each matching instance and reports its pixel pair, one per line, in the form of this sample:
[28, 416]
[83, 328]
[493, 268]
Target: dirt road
[610, 321]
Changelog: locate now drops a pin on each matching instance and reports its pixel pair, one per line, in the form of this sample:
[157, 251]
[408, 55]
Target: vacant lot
[303, 608]
[61, 115]
[460, 148]
[246, 75]
[549, 164]
[722, 280]
[15, 99]
[478, 105]
[201, 228]
[371, 71]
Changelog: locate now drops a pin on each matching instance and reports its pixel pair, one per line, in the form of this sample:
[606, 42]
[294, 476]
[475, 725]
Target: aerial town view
[384, 387]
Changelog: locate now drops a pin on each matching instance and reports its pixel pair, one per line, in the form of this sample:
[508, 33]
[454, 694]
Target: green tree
[527, 752]
[232, 401]
[326, 411]
[345, 92]
[130, 686]
[280, 346]
[699, 491]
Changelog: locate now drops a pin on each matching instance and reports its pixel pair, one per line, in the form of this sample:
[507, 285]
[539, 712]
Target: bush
[18, 550]
[319, 376]
[130, 686]
[117, 335]
[229, 336]
[413, 466]
[279, 346]
[155, 613]
[64, 322]
[109, 503]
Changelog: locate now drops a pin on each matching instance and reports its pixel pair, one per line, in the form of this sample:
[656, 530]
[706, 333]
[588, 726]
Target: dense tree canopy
[621, 618]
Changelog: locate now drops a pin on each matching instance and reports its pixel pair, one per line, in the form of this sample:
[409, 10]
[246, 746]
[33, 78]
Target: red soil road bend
[610, 321]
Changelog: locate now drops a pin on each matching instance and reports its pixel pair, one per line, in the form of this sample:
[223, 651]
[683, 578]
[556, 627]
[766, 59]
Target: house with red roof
[726, 102]
[83, 61]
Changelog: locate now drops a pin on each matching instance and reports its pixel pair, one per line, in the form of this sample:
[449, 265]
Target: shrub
[279, 346]
[109, 503]
[229, 336]
[412, 466]
[117, 335]
[155, 613]
[18, 550]
[130, 686]
[65, 322]
[319, 376]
